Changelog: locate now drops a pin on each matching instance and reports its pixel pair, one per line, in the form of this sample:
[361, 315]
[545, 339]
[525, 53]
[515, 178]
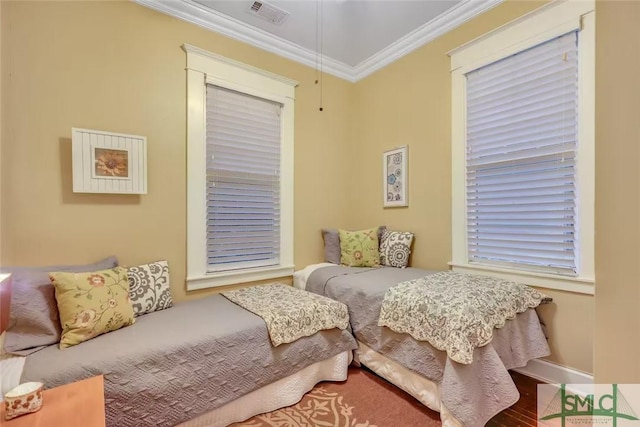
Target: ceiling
[348, 38]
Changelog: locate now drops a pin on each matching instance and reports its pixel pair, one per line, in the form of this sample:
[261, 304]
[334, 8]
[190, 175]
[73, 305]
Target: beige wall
[409, 102]
[117, 66]
[617, 349]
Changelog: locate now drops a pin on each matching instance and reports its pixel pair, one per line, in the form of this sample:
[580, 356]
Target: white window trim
[545, 23]
[208, 68]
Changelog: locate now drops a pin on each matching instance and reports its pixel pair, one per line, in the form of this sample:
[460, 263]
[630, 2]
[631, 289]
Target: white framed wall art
[395, 177]
[107, 162]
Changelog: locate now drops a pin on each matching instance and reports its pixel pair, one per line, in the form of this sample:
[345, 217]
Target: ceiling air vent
[269, 12]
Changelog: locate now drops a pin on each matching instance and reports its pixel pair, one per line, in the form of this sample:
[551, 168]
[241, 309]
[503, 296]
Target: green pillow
[359, 248]
[91, 304]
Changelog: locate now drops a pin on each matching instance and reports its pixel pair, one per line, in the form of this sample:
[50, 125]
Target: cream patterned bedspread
[290, 313]
[455, 312]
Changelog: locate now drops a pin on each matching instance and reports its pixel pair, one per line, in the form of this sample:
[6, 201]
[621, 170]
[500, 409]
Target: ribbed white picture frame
[107, 162]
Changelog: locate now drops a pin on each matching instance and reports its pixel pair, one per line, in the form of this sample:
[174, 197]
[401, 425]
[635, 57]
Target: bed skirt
[427, 392]
[284, 392]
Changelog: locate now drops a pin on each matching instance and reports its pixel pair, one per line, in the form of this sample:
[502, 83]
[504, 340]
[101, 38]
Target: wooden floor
[523, 413]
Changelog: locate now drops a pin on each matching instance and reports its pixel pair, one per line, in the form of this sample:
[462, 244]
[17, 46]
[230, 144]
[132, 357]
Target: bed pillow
[395, 248]
[92, 304]
[359, 248]
[331, 246]
[33, 318]
[149, 287]
[332, 243]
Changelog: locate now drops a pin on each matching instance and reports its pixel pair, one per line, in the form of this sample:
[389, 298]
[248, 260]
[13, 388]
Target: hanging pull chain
[319, 45]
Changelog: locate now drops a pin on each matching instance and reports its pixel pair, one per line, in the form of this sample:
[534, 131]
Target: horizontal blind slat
[502, 100]
[518, 113]
[520, 132]
[522, 125]
[515, 177]
[519, 239]
[517, 142]
[515, 86]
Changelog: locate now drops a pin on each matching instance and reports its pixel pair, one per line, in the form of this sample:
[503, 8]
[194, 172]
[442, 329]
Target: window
[240, 172]
[243, 180]
[523, 150]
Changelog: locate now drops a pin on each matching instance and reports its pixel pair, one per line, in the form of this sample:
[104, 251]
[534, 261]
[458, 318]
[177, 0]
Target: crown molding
[195, 13]
[441, 24]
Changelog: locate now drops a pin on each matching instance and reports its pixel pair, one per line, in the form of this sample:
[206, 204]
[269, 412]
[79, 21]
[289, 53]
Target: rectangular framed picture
[394, 171]
[108, 162]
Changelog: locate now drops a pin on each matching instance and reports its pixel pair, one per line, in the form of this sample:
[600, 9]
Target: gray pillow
[332, 243]
[331, 246]
[33, 319]
[149, 288]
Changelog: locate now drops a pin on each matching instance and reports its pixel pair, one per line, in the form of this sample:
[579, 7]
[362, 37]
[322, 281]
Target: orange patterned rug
[364, 400]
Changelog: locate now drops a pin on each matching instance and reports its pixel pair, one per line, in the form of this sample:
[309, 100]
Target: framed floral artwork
[108, 162]
[394, 175]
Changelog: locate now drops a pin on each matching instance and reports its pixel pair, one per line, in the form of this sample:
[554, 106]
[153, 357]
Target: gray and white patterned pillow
[149, 287]
[395, 248]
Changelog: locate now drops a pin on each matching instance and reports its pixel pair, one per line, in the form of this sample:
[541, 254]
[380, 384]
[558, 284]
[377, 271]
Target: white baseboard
[553, 373]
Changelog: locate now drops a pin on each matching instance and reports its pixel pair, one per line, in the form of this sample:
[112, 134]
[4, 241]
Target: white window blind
[522, 121]
[243, 180]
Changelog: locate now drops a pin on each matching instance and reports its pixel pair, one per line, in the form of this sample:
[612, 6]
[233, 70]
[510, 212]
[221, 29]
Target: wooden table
[79, 404]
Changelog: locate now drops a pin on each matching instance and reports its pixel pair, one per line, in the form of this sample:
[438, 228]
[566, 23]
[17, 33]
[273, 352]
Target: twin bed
[464, 394]
[206, 362]
[210, 362]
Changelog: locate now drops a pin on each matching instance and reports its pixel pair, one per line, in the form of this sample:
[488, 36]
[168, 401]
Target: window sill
[580, 285]
[212, 280]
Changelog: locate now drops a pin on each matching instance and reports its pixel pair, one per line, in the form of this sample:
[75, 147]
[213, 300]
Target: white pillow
[395, 248]
[149, 288]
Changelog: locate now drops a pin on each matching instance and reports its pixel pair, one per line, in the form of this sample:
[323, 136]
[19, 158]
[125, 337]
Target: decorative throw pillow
[149, 287]
[359, 248]
[395, 248]
[332, 244]
[91, 304]
[33, 317]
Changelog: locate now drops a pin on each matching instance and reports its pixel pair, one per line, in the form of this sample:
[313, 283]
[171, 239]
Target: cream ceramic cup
[23, 399]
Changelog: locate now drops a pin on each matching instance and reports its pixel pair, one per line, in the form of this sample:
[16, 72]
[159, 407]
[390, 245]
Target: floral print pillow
[91, 304]
[359, 248]
[395, 248]
[149, 288]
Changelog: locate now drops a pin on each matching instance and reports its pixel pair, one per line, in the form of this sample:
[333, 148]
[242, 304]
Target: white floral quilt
[290, 313]
[455, 312]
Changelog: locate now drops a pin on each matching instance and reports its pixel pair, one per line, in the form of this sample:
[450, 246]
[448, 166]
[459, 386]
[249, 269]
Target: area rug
[364, 400]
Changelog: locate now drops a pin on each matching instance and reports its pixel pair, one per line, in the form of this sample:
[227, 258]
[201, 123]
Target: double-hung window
[523, 149]
[240, 172]
[243, 180]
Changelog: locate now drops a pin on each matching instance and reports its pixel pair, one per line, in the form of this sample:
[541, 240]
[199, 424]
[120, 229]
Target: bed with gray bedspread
[176, 364]
[473, 393]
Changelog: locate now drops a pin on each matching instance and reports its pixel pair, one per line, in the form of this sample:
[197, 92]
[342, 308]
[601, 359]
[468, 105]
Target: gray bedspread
[473, 393]
[176, 364]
